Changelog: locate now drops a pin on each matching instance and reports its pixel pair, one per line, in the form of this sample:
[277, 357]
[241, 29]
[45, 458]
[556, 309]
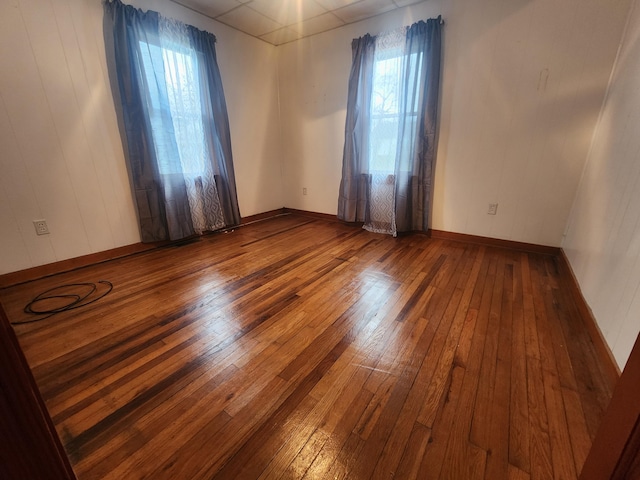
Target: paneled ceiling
[282, 21]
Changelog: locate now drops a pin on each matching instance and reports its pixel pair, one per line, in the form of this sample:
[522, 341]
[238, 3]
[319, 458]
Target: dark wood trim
[495, 242]
[31, 447]
[320, 216]
[602, 348]
[22, 276]
[614, 452]
[441, 234]
[629, 462]
[262, 216]
[29, 274]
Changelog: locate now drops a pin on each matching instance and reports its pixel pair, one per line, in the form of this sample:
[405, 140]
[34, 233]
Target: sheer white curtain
[384, 127]
[181, 67]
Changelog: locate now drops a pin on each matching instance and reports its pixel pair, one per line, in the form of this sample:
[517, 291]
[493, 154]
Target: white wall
[523, 83]
[62, 156]
[603, 240]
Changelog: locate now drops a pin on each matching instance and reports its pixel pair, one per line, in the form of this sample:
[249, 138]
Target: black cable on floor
[76, 300]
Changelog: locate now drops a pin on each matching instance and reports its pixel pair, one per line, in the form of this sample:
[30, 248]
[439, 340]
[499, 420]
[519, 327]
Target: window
[387, 104]
[383, 133]
[390, 129]
[184, 104]
[175, 123]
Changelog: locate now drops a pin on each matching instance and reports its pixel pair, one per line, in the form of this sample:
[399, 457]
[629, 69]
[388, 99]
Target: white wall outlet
[41, 227]
[304, 190]
[493, 209]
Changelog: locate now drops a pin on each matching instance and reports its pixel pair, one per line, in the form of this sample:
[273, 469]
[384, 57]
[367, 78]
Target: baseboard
[495, 242]
[440, 234]
[320, 216]
[29, 274]
[607, 360]
[262, 216]
[22, 276]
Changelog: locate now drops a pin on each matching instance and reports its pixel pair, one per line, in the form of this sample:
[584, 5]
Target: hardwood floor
[298, 348]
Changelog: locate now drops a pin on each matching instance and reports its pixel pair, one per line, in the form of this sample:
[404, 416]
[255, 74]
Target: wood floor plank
[517, 474]
[299, 348]
[357, 372]
[462, 459]
[561, 453]
[430, 385]
[409, 466]
[519, 434]
[421, 394]
[539, 441]
[431, 464]
[349, 330]
[455, 315]
[590, 378]
[338, 449]
[487, 387]
[499, 431]
[578, 431]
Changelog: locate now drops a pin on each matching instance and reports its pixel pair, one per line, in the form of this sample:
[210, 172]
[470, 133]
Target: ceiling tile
[364, 9]
[281, 36]
[404, 3]
[210, 8]
[318, 24]
[249, 21]
[287, 12]
[333, 4]
[265, 19]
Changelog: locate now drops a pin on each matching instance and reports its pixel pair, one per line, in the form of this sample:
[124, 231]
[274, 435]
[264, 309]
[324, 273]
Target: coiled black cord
[77, 300]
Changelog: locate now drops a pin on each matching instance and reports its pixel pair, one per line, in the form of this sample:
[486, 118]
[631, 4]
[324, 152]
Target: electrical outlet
[304, 190]
[41, 227]
[493, 209]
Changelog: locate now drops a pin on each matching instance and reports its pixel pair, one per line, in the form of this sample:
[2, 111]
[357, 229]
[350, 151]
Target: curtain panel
[396, 197]
[173, 199]
[354, 186]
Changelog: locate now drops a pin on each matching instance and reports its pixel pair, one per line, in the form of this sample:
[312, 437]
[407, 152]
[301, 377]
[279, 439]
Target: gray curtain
[217, 127]
[416, 131]
[354, 186]
[134, 57]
